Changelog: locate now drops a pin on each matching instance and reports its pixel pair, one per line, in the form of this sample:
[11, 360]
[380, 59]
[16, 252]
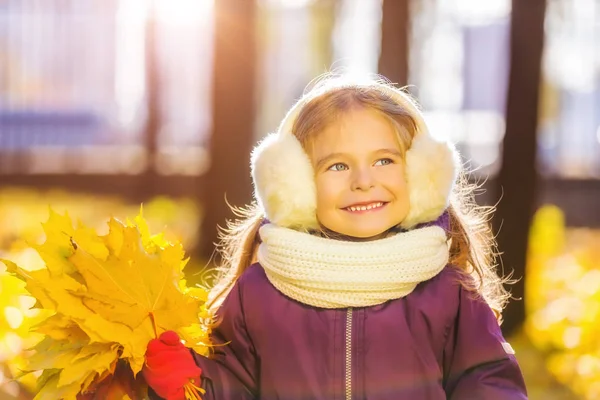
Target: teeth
[365, 208]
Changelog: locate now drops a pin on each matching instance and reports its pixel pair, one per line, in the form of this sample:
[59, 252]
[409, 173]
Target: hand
[170, 368]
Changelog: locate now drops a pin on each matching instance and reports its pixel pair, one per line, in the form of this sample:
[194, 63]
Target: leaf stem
[153, 324]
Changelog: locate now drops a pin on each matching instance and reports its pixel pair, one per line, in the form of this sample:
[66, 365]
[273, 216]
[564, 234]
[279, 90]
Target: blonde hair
[472, 249]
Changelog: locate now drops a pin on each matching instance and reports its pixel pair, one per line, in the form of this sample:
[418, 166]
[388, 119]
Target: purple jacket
[439, 342]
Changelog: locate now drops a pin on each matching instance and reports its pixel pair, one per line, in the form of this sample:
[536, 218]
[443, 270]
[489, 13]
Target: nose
[362, 179]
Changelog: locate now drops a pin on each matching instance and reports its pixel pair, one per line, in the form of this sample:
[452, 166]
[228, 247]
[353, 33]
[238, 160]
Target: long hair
[472, 248]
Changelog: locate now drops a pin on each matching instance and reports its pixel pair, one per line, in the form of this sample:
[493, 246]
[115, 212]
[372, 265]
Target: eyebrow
[392, 152]
[325, 160]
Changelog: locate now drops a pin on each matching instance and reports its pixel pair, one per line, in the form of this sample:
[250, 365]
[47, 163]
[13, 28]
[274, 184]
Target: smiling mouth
[367, 207]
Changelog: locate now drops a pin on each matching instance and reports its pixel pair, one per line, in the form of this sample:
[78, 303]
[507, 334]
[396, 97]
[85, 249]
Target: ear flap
[431, 170]
[284, 182]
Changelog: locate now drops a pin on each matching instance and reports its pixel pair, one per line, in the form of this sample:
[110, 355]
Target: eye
[338, 167]
[384, 161]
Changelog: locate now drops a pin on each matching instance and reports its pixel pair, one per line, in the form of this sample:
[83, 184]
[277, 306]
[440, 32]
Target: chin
[369, 233]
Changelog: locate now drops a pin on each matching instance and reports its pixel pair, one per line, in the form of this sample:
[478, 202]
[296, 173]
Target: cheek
[394, 180]
[329, 190]
[400, 190]
[401, 194]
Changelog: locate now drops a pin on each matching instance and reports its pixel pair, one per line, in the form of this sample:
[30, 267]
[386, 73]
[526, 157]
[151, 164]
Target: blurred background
[105, 104]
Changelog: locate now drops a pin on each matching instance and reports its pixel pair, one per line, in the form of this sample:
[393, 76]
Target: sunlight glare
[129, 60]
[13, 316]
[185, 12]
[477, 11]
[132, 10]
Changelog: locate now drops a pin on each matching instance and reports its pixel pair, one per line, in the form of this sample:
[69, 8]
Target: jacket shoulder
[445, 286]
[255, 288]
[252, 275]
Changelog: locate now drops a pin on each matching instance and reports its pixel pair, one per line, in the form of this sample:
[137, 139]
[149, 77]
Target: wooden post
[232, 138]
[395, 28]
[517, 176]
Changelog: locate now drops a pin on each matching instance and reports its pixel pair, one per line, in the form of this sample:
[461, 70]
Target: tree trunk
[146, 187]
[395, 28]
[234, 74]
[517, 176]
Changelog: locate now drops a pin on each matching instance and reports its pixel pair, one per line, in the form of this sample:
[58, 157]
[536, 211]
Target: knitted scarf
[329, 273]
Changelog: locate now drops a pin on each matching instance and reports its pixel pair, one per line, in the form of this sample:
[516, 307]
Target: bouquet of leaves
[109, 296]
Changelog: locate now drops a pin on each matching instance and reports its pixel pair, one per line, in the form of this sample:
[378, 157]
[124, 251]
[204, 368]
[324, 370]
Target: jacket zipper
[349, 354]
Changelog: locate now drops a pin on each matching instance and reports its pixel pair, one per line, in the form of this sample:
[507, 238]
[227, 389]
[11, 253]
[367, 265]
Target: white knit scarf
[330, 273]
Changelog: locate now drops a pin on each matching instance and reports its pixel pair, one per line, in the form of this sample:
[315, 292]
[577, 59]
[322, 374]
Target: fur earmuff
[284, 179]
[431, 170]
[284, 182]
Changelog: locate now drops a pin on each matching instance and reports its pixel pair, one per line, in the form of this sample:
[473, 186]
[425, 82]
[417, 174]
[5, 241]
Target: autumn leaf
[110, 296]
[16, 320]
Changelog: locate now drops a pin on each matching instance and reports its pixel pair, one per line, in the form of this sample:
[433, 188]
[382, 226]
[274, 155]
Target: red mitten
[170, 368]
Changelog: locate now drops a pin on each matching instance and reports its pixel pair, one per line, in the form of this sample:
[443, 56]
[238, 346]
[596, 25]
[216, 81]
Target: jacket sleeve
[478, 362]
[231, 371]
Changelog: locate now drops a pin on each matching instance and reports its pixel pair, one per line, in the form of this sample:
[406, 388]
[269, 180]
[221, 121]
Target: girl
[364, 271]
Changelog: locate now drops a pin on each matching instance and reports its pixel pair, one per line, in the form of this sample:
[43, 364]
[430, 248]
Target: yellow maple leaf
[110, 296]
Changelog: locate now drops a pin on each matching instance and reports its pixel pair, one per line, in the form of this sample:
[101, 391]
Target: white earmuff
[284, 182]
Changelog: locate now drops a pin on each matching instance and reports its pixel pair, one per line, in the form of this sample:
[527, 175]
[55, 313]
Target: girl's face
[359, 172]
